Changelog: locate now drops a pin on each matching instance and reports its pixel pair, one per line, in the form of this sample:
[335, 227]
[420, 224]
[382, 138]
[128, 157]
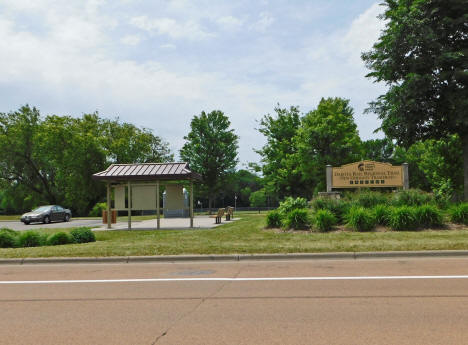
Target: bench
[229, 213]
[218, 216]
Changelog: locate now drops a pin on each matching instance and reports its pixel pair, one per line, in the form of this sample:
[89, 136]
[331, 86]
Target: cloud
[167, 26]
[264, 22]
[229, 22]
[131, 40]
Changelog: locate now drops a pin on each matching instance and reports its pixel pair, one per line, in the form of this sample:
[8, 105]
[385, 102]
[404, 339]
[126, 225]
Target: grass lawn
[246, 235]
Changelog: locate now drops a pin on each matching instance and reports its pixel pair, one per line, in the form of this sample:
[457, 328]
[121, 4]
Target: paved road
[323, 305]
[17, 225]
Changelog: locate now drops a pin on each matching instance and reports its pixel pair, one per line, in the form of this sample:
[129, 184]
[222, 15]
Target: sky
[156, 64]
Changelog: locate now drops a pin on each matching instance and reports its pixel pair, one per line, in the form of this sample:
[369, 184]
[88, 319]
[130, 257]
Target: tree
[211, 150]
[421, 56]
[277, 164]
[328, 135]
[51, 160]
[380, 150]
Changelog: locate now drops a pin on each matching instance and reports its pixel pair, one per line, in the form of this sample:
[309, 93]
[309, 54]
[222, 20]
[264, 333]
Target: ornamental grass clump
[459, 213]
[30, 239]
[290, 204]
[339, 207]
[297, 219]
[59, 238]
[381, 214]
[412, 197]
[274, 219]
[8, 238]
[429, 216]
[324, 220]
[403, 218]
[360, 219]
[370, 199]
[82, 235]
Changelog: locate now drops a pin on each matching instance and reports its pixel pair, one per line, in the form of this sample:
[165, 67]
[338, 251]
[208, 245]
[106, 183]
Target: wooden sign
[367, 174]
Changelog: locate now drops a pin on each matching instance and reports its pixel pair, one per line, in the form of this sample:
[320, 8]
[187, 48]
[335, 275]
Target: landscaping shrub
[324, 220]
[412, 197]
[429, 216]
[381, 214]
[459, 213]
[30, 239]
[370, 199]
[97, 209]
[403, 218]
[290, 204]
[82, 235]
[360, 219]
[7, 238]
[297, 219]
[274, 219]
[59, 238]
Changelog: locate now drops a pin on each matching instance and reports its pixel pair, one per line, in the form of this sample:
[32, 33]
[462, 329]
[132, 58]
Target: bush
[429, 216]
[7, 238]
[274, 219]
[97, 209]
[339, 207]
[370, 199]
[403, 218]
[381, 214]
[412, 197]
[30, 239]
[324, 220]
[59, 238]
[297, 219]
[360, 219]
[459, 213]
[290, 204]
[82, 235]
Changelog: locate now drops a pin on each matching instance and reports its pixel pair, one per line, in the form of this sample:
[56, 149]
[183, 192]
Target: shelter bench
[218, 216]
[229, 213]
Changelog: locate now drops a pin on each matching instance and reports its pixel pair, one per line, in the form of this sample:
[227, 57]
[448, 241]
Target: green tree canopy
[422, 57]
[211, 150]
[277, 163]
[50, 160]
[328, 135]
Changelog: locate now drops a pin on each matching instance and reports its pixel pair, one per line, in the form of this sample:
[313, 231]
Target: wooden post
[157, 205]
[405, 176]
[129, 206]
[109, 219]
[191, 204]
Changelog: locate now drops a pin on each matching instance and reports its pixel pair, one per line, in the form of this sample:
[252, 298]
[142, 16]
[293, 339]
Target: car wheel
[26, 223]
[46, 220]
[67, 218]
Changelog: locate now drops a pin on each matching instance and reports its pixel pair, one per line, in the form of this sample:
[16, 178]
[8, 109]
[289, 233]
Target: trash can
[113, 216]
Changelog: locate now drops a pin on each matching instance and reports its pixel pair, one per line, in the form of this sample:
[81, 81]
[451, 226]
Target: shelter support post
[157, 205]
[405, 176]
[129, 206]
[109, 219]
[329, 178]
[191, 204]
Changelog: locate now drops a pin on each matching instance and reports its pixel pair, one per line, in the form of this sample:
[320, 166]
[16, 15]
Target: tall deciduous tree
[422, 57]
[278, 167]
[328, 135]
[211, 150]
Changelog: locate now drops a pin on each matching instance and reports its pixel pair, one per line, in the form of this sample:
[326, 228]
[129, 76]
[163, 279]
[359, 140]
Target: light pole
[199, 205]
[235, 202]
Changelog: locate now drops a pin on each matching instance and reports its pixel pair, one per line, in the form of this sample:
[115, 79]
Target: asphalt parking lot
[73, 223]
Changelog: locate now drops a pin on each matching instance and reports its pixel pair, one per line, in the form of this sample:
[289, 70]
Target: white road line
[157, 280]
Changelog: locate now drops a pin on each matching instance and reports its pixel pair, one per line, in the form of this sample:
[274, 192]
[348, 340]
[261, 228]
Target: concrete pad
[199, 222]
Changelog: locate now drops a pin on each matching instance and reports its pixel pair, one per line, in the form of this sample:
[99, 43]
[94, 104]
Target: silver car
[47, 214]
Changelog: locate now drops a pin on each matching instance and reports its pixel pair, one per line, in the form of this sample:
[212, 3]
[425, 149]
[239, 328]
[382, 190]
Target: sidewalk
[199, 222]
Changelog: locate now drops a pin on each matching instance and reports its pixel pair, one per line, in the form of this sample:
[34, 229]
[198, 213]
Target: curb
[234, 257]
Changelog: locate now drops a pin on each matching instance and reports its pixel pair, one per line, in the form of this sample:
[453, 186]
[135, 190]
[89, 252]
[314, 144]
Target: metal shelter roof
[147, 172]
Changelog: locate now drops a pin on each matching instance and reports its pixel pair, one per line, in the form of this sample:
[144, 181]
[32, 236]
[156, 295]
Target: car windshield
[42, 209]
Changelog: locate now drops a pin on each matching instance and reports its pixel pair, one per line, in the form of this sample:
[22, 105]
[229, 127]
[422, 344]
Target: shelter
[136, 186]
